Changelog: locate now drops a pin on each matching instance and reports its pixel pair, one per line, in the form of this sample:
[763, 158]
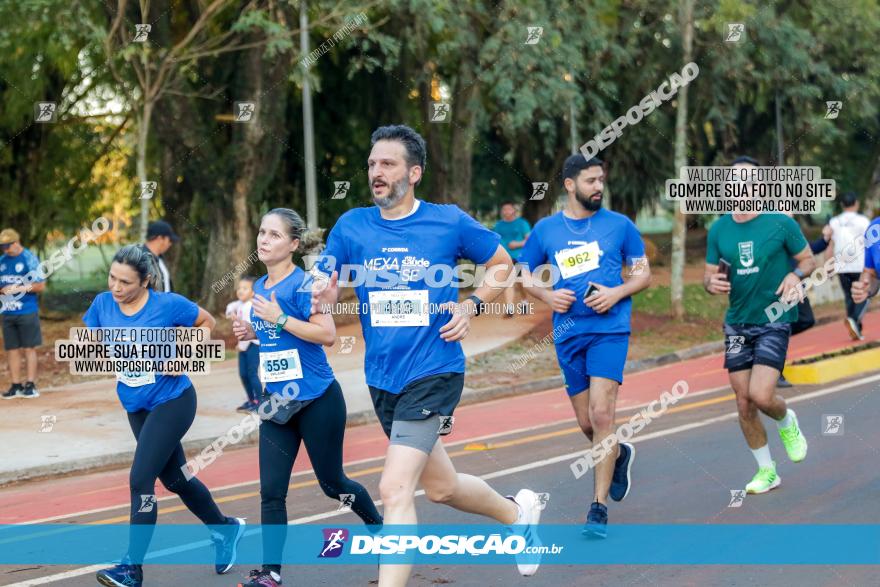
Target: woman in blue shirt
[161, 408]
[304, 402]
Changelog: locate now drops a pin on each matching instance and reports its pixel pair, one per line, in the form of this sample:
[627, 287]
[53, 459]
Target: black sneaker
[783, 382]
[226, 545]
[14, 391]
[121, 576]
[622, 479]
[262, 578]
[245, 407]
[29, 391]
[597, 521]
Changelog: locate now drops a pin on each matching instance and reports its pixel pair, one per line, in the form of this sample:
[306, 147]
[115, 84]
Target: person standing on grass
[513, 230]
[756, 250]
[20, 312]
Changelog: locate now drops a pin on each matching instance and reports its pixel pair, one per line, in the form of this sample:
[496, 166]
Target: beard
[587, 201]
[397, 191]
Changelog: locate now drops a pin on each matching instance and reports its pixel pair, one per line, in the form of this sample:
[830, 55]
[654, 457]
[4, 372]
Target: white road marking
[495, 475]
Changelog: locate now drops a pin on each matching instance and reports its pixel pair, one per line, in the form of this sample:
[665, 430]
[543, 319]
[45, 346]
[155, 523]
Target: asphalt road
[688, 461]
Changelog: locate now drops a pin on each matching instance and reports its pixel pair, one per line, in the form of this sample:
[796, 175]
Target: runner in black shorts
[756, 249]
[401, 414]
[756, 344]
[414, 363]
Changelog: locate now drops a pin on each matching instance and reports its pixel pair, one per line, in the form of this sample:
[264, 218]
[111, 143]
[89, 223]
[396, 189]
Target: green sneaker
[764, 480]
[794, 442]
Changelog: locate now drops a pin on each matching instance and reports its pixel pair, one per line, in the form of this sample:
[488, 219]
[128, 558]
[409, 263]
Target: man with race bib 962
[591, 247]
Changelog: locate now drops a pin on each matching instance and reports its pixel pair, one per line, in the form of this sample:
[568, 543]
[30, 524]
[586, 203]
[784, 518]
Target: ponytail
[142, 261]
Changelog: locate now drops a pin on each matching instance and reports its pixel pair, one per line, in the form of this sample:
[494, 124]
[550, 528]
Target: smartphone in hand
[724, 269]
[590, 291]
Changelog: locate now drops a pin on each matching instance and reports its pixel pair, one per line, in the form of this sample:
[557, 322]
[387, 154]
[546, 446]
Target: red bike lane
[65, 496]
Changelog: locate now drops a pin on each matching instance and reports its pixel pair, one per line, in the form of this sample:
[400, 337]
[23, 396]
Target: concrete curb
[822, 368]
[100, 463]
[469, 396]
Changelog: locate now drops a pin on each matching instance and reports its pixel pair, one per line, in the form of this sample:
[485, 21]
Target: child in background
[248, 350]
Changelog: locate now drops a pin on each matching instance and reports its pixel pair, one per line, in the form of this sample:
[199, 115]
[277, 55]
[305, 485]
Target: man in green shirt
[758, 248]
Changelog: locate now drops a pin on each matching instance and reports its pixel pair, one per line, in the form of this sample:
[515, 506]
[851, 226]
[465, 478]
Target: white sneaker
[531, 505]
[855, 332]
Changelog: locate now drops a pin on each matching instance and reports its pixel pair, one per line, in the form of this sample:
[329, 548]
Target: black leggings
[159, 455]
[853, 310]
[321, 426]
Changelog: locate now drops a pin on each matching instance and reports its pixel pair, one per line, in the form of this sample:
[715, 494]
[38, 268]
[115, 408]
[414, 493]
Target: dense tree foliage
[510, 103]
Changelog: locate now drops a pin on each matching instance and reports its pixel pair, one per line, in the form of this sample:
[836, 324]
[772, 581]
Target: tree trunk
[872, 195]
[679, 231]
[464, 130]
[438, 166]
[249, 165]
[254, 152]
[780, 143]
[143, 136]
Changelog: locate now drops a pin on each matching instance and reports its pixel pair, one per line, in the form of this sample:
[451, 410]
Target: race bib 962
[578, 260]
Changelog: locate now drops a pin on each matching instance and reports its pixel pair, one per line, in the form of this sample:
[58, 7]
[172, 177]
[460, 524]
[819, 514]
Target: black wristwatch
[478, 303]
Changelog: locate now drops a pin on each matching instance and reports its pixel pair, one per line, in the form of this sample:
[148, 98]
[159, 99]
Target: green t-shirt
[759, 252]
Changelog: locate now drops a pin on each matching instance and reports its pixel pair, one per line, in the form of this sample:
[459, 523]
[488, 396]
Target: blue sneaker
[226, 545]
[622, 479]
[121, 576]
[597, 521]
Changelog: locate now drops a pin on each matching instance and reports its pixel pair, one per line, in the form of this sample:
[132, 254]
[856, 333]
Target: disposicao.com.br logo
[334, 542]
[430, 544]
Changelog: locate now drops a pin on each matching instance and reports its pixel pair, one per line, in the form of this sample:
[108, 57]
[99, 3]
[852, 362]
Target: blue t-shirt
[515, 230]
[12, 272]
[162, 310]
[872, 249]
[415, 253]
[284, 357]
[594, 249]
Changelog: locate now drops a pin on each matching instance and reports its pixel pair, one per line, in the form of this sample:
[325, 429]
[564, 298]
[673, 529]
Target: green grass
[93, 282]
[697, 303]
[72, 285]
[83, 266]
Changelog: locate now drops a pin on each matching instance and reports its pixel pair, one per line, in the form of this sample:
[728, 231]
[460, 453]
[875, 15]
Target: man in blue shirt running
[590, 247]
[412, 322]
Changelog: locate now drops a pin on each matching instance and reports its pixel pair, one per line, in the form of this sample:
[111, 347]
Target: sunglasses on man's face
[6, 246]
